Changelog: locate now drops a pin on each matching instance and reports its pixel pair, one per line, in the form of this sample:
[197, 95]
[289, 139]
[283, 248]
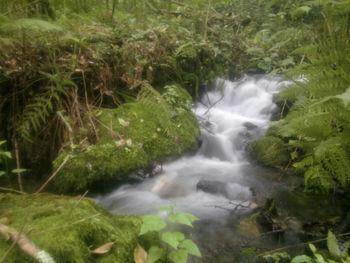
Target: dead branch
[25, 244]
[54, 174]
[11, 190]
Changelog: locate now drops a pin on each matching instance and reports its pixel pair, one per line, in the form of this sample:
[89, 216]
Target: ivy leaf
[183, 218]
[19, 170]
[332, 245]
[151, 223]
[312, 248]
[173, 238]
[302, 259]
[154, 254]
[179, 256]
[190, 247]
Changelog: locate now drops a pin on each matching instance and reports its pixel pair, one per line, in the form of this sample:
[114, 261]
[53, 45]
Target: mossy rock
[68, 229]
[269, 151]
[130, 137]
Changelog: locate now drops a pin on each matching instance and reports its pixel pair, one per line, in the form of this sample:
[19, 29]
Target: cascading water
[218, 178]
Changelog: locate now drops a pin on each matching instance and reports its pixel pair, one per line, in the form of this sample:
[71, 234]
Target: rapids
[231, 115]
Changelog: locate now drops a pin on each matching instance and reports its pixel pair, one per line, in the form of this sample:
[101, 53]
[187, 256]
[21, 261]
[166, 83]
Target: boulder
[130, 138]
[68, 228]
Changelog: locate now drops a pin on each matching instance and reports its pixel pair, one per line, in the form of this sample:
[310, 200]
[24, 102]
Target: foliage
[175, 245]
[337, 253]
[60, 59]
[4, 155]
[316, 109]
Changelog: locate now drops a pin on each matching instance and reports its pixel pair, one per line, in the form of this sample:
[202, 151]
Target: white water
[223, 114]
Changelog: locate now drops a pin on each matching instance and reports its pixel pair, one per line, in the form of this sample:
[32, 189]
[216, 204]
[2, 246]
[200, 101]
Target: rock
[130, 138]
[167, 186]
[212, 187]
[250, 126]
[231, 191]
[69, 228]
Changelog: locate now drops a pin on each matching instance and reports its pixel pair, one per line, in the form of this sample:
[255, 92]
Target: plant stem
[19, 177]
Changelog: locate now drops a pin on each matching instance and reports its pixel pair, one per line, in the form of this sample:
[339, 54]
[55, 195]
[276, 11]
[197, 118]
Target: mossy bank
[129, 137]
[68, 229]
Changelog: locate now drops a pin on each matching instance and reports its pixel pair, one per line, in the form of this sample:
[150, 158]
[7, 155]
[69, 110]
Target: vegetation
[176, 246]
[96, 89]
[316, 106]
[70, 229]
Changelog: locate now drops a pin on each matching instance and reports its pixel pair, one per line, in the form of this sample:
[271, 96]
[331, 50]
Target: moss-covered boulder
[130, 137]
[67, 228]
[269, 151]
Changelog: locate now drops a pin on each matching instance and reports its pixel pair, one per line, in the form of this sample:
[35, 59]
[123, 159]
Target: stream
[219, 183]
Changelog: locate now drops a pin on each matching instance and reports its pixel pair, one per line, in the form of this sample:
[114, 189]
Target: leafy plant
[338, 253]
[175, 246]
[3, 156]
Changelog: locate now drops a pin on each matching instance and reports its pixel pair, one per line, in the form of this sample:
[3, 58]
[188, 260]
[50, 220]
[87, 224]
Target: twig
[11, 190]
[18, 167]
[113, 133]
[54, 174]
[66, 225]
[24, 244]
[88, 107]
[206, 21]
[284, 105]
[81, 198]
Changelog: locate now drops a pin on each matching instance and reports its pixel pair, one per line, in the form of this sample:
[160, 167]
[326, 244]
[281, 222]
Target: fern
[30, 24]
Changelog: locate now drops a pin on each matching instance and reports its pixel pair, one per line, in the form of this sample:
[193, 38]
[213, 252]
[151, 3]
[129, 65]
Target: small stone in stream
[212, 187]
[250, 126]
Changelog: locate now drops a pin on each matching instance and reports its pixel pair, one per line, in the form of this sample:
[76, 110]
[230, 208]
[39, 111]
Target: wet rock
[212, 187]
[250, 126]
[231, 191]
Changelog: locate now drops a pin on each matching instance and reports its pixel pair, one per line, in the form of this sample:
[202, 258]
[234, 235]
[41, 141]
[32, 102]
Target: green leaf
[19, 170]
[169, 208]
[154, 254]
[302, 259]
[319, 258]
[312, 248]
[183, 218]
[332, 245]
[2, 173]
[151, 223]
[173, 238]
[190, 247]
[2, 142]
[179, 256]
[7, 154]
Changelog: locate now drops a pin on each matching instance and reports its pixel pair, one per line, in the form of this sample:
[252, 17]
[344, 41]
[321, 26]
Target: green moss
[68, 229]
[269, 151]
[131, 136]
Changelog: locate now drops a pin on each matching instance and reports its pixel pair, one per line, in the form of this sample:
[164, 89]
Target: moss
[269, 151]
[131, 136]
[68, 229]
